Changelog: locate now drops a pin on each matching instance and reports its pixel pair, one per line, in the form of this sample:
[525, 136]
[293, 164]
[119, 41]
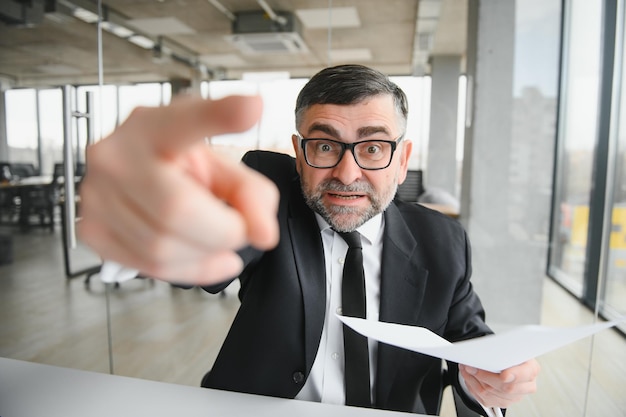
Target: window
[576, 141]
[588, 234]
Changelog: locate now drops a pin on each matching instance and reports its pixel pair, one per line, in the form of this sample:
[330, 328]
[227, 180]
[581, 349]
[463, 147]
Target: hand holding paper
[497, 370]
[500, 389]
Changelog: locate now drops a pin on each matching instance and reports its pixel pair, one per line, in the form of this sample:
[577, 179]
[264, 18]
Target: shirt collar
[370, 230]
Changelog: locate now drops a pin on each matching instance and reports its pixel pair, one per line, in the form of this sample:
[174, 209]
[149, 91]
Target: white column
[505, 198]
[441, 169]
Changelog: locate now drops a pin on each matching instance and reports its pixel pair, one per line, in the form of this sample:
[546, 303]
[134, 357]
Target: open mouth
[347, 197]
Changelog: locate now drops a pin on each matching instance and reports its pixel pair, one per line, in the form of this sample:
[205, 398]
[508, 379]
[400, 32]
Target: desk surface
[443, 208]
[29, 389]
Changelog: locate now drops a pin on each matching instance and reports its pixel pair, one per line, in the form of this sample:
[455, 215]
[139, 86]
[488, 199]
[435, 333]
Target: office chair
[40, 201]
[412, 187]
[8, 207]
[437, 380]
[6, 174]
[23, 169]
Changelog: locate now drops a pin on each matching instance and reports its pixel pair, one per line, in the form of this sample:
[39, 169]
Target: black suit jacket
[425, 281]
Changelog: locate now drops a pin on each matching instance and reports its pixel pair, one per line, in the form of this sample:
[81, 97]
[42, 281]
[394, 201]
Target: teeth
[346, 197]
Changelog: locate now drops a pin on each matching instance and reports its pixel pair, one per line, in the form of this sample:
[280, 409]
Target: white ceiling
[62, 49]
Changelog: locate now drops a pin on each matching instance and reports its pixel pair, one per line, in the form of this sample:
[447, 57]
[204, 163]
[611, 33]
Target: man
[286, 341]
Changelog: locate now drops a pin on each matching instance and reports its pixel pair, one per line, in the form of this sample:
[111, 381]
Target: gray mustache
[334, 185]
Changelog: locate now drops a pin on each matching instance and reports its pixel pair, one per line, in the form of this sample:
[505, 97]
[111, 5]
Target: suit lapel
[309, 256]
[403, 284]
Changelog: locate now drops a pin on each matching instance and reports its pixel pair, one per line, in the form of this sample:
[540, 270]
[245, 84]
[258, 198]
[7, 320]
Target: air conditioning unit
[24, 13]
[255, 33]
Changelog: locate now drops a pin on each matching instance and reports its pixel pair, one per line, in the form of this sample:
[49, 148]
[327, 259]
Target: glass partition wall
[46, 316]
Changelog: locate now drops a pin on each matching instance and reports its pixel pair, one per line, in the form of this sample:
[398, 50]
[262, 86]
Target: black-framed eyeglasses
[371, 154]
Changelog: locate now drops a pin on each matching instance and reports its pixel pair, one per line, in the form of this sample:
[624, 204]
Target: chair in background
[23, 169]
[39, 201]
[79, 171]
[437, 380]
[9, 210]
[8, 206]
[412, 187]
[6, 174]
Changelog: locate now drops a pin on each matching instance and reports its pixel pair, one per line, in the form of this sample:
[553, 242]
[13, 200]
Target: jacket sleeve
[280, 168]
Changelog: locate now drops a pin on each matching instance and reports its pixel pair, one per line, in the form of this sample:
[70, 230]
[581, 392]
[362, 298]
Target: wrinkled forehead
[377, 114]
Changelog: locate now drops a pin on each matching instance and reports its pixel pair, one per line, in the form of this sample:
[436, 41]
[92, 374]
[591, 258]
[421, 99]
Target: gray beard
[342, 218]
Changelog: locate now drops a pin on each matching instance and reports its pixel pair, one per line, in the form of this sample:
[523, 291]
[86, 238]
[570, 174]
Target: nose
[347, 170]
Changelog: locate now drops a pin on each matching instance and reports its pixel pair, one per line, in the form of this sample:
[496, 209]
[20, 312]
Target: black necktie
[357, 370]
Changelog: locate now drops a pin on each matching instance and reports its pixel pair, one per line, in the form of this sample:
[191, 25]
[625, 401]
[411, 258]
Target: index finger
[187, 119]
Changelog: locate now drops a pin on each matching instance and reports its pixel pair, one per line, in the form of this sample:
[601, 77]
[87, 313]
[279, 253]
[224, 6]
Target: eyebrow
[362, 132]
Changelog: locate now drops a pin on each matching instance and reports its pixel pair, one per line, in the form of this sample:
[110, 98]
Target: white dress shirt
[326, 381]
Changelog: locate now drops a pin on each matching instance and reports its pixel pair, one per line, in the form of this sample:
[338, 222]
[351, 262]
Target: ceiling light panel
[117, 30]
[339, 17]
[142, 41]
[351, 55]
[161, 26]
[85, 15]
[222, 60]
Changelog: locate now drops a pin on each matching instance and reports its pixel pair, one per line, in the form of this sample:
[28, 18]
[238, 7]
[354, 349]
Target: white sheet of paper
[493, 353]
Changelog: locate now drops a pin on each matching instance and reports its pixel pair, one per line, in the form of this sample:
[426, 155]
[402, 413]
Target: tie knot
[353, 239]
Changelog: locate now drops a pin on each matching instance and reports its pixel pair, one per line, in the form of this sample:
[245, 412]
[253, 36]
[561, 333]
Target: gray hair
[349, 84]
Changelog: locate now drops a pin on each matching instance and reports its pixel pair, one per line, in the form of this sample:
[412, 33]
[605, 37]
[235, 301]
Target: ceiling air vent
[24, 13]
[255, 33]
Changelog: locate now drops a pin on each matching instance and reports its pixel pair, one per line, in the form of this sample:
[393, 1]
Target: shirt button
[298, 377]
[335, 356]
[339, 311]
[341, 260]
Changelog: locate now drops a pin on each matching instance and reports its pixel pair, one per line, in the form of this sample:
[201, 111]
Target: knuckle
[509, 388]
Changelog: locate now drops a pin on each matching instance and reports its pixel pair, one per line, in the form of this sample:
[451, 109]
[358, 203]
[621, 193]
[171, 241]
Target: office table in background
[29, 389]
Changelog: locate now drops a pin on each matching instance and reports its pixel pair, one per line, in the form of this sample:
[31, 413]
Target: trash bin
[6, 249]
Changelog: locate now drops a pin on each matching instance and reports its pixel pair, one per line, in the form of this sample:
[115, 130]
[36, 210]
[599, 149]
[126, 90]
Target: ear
[297, 151]
[296, 145]
[405, 154]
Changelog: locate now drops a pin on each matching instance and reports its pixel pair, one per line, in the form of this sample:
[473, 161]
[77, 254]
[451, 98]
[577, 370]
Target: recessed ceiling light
[117, 30]
[222, 60]
[350, 55]
[142, 41]
[161, 26]
[85, 15]
[339, 17]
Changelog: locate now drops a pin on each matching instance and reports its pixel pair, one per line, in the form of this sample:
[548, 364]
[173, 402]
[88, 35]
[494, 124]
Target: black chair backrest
[23, 169]
[412, 187]
[80, 169]
[58, 171]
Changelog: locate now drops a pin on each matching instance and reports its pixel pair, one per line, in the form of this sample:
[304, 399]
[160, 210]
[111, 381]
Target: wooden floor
[173, 335]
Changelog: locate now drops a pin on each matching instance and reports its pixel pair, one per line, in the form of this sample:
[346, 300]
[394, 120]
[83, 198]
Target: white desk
[30, 390]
